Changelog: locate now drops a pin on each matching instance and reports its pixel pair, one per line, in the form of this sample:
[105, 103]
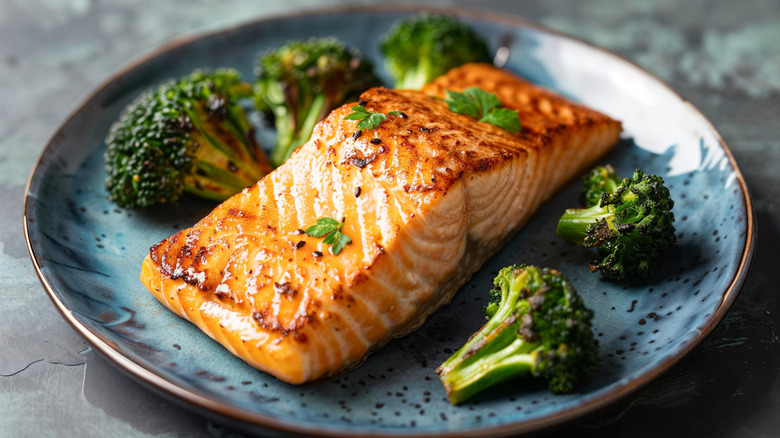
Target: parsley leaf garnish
[483, 106]
[331, 229]
[369, 120]
[503, 118]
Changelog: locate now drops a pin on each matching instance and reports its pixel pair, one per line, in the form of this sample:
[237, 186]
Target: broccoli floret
[494, 301]
[632, 227]
[601, 179]
[189, 135]
[539, 327]
[424, 46]
[302, 81]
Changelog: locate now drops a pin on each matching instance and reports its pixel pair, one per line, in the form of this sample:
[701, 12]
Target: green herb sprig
[483, 106]
[331, 229]
[367, 119]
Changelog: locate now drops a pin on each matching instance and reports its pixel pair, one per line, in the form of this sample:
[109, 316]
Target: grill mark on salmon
[439, 194]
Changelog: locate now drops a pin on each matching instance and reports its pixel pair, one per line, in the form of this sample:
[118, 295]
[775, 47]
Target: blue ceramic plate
[88, 252]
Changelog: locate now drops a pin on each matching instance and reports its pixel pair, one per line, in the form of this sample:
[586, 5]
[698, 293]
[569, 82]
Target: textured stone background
[723, 56]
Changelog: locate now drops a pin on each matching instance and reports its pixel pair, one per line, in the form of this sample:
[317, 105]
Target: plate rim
[200, 401]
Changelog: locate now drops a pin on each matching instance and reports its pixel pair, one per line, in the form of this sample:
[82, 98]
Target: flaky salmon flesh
[426, 198]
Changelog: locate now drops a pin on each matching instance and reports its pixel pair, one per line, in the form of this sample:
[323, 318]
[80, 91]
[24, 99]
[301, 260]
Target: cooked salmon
[426, 198]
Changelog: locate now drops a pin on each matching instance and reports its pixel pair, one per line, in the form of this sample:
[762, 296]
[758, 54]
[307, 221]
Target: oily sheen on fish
[426, 199]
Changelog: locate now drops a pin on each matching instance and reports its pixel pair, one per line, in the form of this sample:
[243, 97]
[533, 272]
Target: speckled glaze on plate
[88, 252]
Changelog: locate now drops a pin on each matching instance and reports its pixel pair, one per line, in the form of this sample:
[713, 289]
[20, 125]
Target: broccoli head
[601, 179]
[186, 135]
[538, 326]
[424, 46]
[632, 227]
[302, 81]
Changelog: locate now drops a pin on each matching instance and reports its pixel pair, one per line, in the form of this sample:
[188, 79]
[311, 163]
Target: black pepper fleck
[376, 140]
[357, 192]
[361, 162]
[284, 289]
[356, 135]
[317, 254]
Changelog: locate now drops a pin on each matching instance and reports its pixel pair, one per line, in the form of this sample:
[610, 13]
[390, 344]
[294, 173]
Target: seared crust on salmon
[426, 198]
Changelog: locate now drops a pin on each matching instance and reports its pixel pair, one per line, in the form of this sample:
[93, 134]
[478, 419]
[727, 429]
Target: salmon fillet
[426, 198]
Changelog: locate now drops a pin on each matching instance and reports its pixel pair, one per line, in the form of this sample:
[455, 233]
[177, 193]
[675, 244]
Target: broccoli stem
[290, 134]
[503, 313]
[490, 370]
[216, 176]
[240, 125]
[217, 135]
[313, 114]
[284, 122]
[416, 77]
[574, 223]
[213, 182]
